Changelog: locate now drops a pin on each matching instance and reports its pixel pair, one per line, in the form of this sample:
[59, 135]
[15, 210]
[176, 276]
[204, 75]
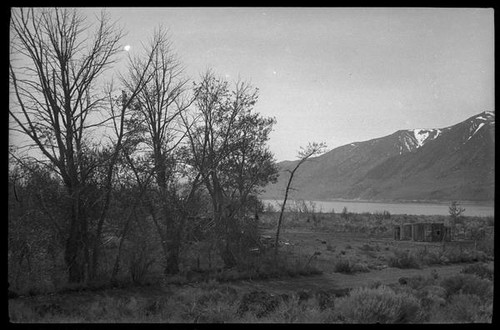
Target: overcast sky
[336, 75]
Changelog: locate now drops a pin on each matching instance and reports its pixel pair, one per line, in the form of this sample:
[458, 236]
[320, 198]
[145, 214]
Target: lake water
[471, 209]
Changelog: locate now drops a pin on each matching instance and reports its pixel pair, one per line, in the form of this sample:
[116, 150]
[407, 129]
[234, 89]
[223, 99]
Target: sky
[335, 75]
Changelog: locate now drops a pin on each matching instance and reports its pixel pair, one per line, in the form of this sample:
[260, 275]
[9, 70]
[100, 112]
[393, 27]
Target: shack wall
[397, 232]
[437, 232]
[427, 232]
[407, 232]
[418, 232]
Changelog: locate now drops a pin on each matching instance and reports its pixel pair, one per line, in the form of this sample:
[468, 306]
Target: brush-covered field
[331, 268]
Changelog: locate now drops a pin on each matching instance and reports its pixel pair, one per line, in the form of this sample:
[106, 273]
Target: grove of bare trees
[140, 159]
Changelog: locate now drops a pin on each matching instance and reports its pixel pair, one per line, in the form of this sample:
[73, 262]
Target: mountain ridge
[450, 163]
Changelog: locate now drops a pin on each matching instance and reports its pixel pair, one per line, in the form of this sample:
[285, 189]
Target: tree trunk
[173, 249]
[75, 259]
[116, 266]
[76, 252]
[221, 224]
[226, 251]
[276, 242]
[227, 255]
[173, 241]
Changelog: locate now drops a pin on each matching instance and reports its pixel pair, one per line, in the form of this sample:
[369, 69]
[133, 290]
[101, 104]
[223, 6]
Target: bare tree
[56, 63]
[250, 166]
[157, 118]
[312, 149]
[228, 150]
[455, 211]
[120, 113]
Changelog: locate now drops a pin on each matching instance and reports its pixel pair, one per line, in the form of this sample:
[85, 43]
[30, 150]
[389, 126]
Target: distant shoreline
[394, 207]
[420, 201]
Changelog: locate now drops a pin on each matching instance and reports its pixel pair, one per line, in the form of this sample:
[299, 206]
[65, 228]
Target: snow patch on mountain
[416, 138]
[420, 135]
[478, 128]
[475, 131]
[485, 116]
[488, 114]
[408, 147]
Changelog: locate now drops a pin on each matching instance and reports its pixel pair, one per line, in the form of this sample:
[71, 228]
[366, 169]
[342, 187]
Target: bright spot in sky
[126, 48]
[274, 72]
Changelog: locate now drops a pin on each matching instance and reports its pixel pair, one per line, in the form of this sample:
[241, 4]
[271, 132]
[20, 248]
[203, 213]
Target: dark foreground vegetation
[419, 299]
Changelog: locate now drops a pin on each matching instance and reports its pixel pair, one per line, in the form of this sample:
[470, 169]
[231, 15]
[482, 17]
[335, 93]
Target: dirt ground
[338, 281]
[371, 251]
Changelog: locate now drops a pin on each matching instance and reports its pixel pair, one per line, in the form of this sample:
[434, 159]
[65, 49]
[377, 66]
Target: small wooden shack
[422, 232]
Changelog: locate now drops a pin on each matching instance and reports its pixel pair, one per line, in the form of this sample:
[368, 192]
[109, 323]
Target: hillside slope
[452, 163]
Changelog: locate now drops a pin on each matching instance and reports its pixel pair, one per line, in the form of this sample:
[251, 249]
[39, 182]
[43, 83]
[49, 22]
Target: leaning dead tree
[312, 149]
[55, 67]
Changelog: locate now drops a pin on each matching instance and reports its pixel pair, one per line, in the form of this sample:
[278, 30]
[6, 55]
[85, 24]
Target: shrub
[465, 255]
[139, 267]
[468, 284]
[366, 247]
[467, 308]
[418, 282]
[432, 296]
[219, 311]
[480, 270]
[294, 310]
[360, 267]
[217, 293]
[325, 299]
[382, 305]
[343, 266]
[345, 214]
[428, 258]
[259, 303]
[487, 245]
[330, 248]
[161, 308]
[374, 285]
[20, 312]
[403, 259]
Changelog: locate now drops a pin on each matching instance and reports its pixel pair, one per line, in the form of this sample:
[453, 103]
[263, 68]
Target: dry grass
[461, 298]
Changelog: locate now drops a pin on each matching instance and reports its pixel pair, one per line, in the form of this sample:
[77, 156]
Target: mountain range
[451, 163]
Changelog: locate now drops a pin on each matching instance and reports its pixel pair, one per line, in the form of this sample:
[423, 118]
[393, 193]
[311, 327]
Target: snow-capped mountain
[451, 163]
